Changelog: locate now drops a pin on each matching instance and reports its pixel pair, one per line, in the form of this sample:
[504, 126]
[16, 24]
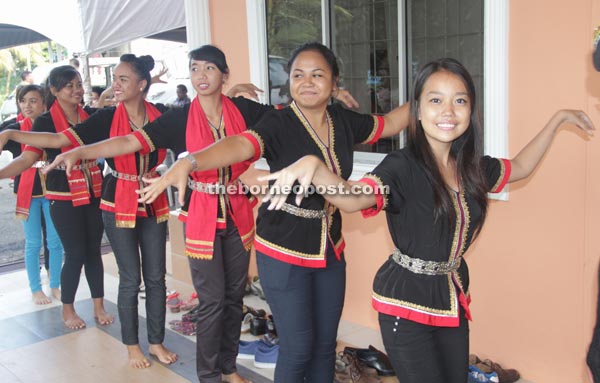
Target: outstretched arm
[241, 89]
[37, 139]
[113, 147]
[19, 164]
[530, 156]
[226, 152]
[346, 195]
[396, 120]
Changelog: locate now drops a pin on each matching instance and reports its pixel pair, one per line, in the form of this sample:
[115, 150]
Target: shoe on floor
[266, 355]
[478, 376]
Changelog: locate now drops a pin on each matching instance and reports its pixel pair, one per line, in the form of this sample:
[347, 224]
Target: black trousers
[140, 252]
[220, 284]
[307, 306]
[80, 230]
[421, 353]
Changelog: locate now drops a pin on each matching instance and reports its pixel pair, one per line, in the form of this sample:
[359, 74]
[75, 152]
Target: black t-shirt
[97, 128]
[285, 137]
[409, 206]
[56, 180]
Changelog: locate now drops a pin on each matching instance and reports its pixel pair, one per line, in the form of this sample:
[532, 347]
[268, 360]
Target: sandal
[173, 302]
[190, 303]
[184, 328]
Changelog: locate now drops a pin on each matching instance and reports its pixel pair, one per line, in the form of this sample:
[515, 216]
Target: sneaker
[478, 376]
[247, 349]
[266, 355]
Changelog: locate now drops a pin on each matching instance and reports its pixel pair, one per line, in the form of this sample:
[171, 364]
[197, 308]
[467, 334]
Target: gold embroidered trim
[148, 140]
[76, 136]
[381, 186]
[397, 302]
[501, 177]
[297, 254]
[374, 131]
[259, 139]
[325, 151]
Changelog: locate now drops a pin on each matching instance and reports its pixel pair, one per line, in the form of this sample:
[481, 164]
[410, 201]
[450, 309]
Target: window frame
[496, 24]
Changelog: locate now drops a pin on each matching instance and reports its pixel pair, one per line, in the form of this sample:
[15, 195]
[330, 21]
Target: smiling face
[70, 94]
[32, 104]
[444, 109]
[126, 83]
[206, 78]
[311, 80]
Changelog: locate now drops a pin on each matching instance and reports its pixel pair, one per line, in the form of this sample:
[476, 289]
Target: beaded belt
[419, 266]
[301, 212]
[205, 187]
[39, 164]
[86, 165]
[130, 177]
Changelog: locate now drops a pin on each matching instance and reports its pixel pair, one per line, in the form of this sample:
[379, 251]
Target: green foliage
[15, 60]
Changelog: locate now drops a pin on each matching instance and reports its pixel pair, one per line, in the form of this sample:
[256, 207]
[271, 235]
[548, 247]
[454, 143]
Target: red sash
[26, 182]
[78, 185]
[201, 224]
[126, 204]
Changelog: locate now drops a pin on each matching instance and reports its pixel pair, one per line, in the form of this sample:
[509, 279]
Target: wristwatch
[190, 157]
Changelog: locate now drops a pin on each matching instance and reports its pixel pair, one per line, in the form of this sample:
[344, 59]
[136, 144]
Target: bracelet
[190, 157]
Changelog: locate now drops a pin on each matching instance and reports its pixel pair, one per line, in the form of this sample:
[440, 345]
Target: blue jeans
[33, 244]
[140, 251]
[307, 306]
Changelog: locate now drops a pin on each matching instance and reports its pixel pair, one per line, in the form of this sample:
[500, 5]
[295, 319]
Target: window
[381, 44]
[364, 35]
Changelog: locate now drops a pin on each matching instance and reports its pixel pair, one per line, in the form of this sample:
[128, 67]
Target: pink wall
[534, 267]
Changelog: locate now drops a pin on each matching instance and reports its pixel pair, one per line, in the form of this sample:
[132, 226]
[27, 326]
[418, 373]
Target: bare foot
[39, 298]
[100, 314]
[137, 359]
[56, 293]
[71, 319]
[162, 354]
[235, 378]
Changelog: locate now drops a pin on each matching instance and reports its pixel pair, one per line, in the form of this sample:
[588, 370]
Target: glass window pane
[365, 40]
[446, 28]
[289, 25]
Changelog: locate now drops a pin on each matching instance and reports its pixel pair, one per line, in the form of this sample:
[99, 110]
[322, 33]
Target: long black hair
[58, 78]
[466, 150]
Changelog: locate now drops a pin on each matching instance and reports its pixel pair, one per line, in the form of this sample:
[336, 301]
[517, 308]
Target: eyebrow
[313, 70]
[433, 92]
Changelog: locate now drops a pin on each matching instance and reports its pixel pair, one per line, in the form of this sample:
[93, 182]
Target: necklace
[213, 126]
[74, 123]
[134, 126]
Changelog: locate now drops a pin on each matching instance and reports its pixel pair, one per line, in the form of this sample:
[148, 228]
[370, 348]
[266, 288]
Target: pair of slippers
[175, 305]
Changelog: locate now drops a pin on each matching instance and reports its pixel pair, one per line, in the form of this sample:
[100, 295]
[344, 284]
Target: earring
[141, 89]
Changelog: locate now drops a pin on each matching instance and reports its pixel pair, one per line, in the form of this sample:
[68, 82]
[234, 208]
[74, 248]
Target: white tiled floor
[15, 300]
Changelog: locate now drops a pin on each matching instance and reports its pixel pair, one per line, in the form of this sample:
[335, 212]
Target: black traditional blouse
[15, 148]
[301, 236]
[97, 128]
[409, 205]
[169, 131]
[56, 180]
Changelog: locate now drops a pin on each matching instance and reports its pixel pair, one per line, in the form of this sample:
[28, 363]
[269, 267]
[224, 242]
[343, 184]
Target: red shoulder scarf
[26, 181]
[78, 185]
[126, 204]
[201, 223]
